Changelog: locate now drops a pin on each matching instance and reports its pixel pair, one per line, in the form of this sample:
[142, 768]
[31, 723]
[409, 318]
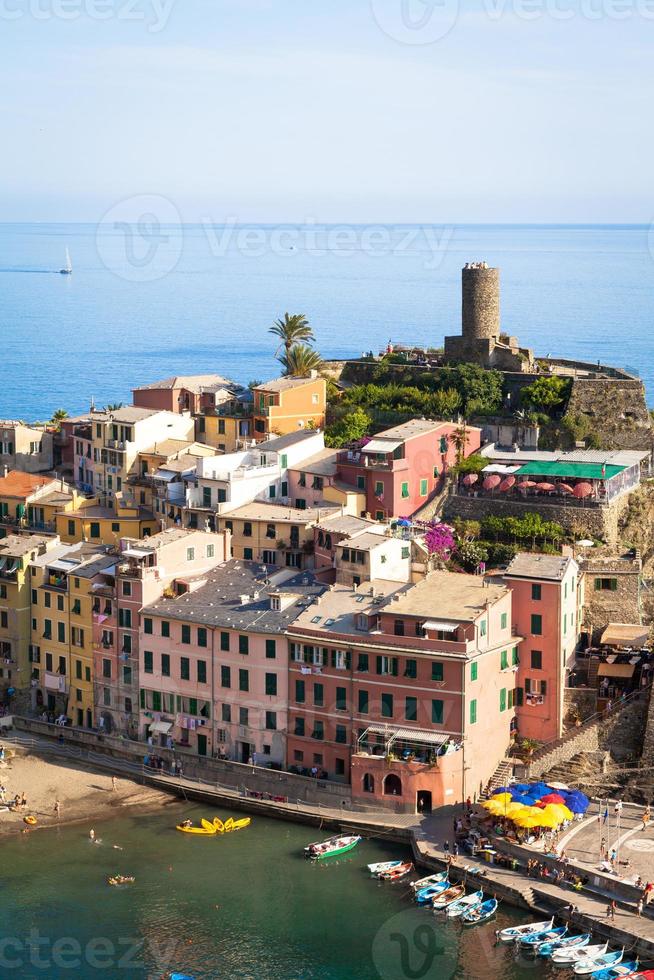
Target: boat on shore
[566, 957]
[515, 933]
[376, 869]
[465, 904]
[405, 868]
[481, 913]
[331, 847]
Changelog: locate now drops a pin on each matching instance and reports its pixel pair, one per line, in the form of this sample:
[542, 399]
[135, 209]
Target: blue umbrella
[521, 787]
[502, 789]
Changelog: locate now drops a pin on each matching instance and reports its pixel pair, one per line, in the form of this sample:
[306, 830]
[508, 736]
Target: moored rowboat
[429, 880]
[399, 872]
[380, 866]
[566, 942]
[593, 965]
[564, 957]
[481, 913]
[331, 847]
[447, 897]
[518, 932]
[465, 904]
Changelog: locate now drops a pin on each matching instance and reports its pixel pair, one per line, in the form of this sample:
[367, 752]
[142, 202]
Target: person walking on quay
[446, 847]
[639, 908]
[610, 910]
[617, 809]
[647, 815]
[603, 852]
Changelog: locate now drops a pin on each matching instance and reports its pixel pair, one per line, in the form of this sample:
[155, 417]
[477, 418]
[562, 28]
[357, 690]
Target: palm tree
[113, 406]
[300, 360]
[292, 330]
[59, 416]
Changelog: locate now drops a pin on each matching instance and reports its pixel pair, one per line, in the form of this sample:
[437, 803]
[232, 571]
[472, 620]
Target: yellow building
[229, 429]
[288, 404]
[16, 553]
[105, 525]
[31, 502]
[62, 628]
[273, 534]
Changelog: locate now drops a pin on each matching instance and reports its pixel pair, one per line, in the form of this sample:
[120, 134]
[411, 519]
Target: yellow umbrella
[557, 812]
[514, 810]
[502, 797]
[550, 820]
[527, 822]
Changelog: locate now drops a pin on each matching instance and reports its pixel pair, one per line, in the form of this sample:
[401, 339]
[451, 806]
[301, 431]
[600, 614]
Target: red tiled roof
[19, 484]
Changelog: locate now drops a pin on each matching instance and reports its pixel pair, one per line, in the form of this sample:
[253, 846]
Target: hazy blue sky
[334, 110]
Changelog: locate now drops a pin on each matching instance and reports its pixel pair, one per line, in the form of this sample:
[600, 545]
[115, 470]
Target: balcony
[55, 683]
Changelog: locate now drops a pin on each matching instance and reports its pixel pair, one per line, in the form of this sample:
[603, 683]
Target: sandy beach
[82, 792]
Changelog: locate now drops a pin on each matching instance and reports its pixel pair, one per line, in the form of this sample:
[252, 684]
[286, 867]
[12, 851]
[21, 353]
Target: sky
[328, 110]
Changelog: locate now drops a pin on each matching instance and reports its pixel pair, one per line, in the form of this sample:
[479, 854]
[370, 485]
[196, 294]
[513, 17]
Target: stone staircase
[501, 777]
[578, 770]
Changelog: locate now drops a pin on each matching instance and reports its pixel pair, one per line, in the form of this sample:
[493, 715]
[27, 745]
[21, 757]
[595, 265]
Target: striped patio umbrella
[583, 490]
[507, 484]
[491, 482]
[469, 479]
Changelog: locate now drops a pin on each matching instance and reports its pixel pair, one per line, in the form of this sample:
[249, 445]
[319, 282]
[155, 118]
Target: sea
[242, 906]
[147, 300]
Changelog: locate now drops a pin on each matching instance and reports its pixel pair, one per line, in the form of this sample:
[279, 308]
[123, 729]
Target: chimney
[5, 470]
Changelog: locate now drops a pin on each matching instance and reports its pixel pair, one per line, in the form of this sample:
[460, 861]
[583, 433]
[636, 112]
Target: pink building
[547, 599]
[400, 469]
[407, 691]
[311, 480]
[214, 662]
[183, 393]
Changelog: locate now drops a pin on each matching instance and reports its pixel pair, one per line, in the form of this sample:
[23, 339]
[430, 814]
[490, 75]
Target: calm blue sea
[146, 301]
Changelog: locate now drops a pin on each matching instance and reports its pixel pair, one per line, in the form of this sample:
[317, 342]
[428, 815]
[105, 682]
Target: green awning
[580, 471]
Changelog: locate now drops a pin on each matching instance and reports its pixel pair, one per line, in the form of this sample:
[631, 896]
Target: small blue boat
[567, 942]
[482, 913]
[465, 904]
[425, 895]
[596, 964]
[613, 972]
[549, 936]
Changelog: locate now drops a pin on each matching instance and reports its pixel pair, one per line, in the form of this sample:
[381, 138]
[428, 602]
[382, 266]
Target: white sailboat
[68, 268]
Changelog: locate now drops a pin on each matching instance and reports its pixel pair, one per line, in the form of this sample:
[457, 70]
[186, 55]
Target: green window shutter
[225, 676]
[185, 668]
[411, 668]
[224, 641]
[437, 672]
[363, 664]
[243, 643]
[363, 702]
[405, 490]
[411, 709]
[147, 661]
[503, 621]
[341, 734]
[271, 684]
[202, 636]
[165, 628]
[387, 705]
[318, 695]
[504, 660]
[142, 697]
[202, 671]
[503, 699]
[423, 488]
[299, 692]
[379, 665]
[474, 671]
[243, 680]
[156, 701]
[394, 666]
[514, 657]
[186, 633]
[271, 649]
[473, 712]
[536, 625]
[518, 696]
[341, 699]
[437, 712]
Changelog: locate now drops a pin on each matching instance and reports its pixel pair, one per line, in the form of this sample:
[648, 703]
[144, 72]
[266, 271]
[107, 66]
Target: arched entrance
[392, 785]
[423, 801]
[368, 783]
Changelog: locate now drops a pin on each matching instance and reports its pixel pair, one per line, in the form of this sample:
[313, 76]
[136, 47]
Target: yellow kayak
[229, 824]
[207, 829]
[243, 822]
[219, 825]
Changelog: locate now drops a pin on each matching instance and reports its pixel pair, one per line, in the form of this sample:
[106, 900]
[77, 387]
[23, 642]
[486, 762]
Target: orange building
[288, 404]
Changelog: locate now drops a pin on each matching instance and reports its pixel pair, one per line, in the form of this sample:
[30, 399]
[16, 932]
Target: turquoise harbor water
[146, 301]
[246, 905]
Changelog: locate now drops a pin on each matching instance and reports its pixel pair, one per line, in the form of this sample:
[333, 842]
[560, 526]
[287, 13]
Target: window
[165, 664]
[271, 721]
[125, 618]
[387, 665]
[515, 660]
[243, 680]
[473, 712]
[147, 661]
[504, 659]
[300, 692]
[411, 709]
[60, 603]
[536, 592]
[247, 554]
[206, 497]
[398, 627]
[165, 627]
[47, 629]
[185, 668]
[243, 716]
[536, 660]
[78, 669]
[190, 554]
[77, 607]
[61, 632]
[536, 625]
[406, 552]
[247, 529]
[437, 712]
[482, 628]
[186, 633]
[115, 527]
[387, 705]
[503, 620]
[106, 668]
[271, 684]
[225, 676]
[411, 668]
[211, 550]
[423, 488]
[379, 488]
[437, 672]
[47, 598]
[341, 734]
[318, 729]
[243, 643]
[405, 491]
[71, 528]
[606, 584]
[271, 649]
[226, 712]
[503, 699]
[224, 641]
[341, 699]
[147, 625]
[95, 529]
[202, 636]
[361, 483]
[127, 643]
[363, 702]
[363, 664]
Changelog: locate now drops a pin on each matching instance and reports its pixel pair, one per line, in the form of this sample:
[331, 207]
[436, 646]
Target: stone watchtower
[481, 341]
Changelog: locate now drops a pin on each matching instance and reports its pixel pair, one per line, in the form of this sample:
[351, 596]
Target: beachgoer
[617, 809]
[57, 808]
[639, 907]
[23, 800]
[114, 784]
[646, 816]
[3, 792]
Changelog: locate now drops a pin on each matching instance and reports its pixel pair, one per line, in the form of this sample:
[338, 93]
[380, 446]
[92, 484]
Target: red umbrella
[582, 490]
[507, 484]
[491, 482]
[526, 485]
[565, 487]
[469, 479]
[540, 804]
[552, 798]
[545, 487]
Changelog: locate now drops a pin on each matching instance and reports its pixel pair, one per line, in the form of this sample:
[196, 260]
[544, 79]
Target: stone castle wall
[617, 409]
